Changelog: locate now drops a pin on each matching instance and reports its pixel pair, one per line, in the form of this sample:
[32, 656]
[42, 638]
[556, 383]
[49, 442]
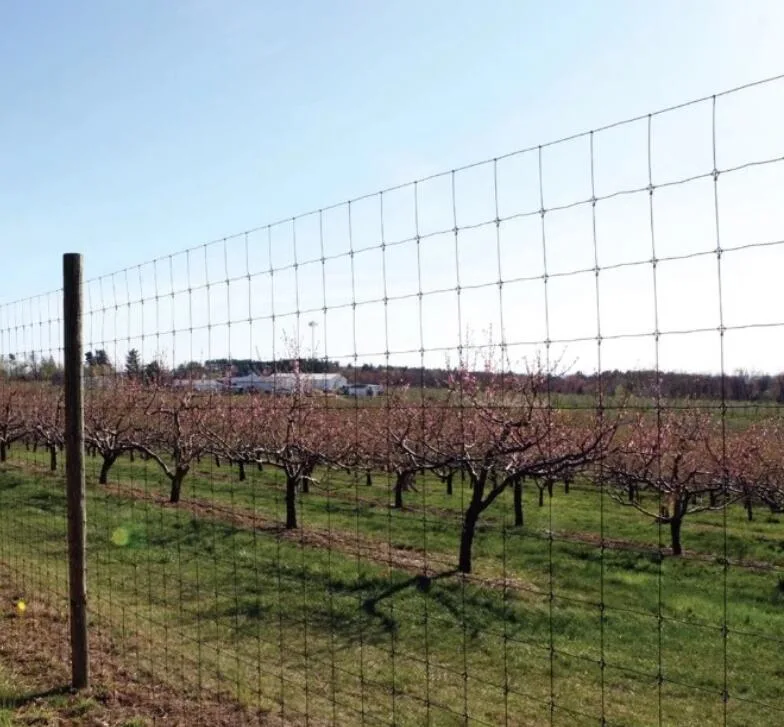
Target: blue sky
[133, 130]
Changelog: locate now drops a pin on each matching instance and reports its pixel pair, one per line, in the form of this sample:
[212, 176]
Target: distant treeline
[738, 386]
[735, 386]
[245, 366]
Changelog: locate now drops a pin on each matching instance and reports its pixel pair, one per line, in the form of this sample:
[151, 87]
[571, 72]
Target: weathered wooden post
[74, 466]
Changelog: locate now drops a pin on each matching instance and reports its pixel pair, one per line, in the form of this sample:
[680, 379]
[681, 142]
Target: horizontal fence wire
[502, 445]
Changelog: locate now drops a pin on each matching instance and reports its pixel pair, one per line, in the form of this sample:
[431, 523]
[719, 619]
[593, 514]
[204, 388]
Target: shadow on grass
[347, 606]
[22, 700]
[422, 584]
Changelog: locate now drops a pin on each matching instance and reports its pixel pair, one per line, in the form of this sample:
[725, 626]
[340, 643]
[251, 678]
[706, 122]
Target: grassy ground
[431, 518]
[298, 629]
[22, 705]
[9, 693]
[34, 677]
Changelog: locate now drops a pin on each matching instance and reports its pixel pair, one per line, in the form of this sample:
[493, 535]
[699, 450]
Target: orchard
[493, 432]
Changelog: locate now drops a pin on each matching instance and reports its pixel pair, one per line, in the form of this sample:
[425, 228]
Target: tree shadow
[9, 481]
[47, 501]
[420, 582]
[248, 603]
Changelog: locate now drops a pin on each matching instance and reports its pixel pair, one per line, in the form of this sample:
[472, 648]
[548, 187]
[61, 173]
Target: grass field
[337, 621]
[20, 705]
[8, 695]
[34, 678]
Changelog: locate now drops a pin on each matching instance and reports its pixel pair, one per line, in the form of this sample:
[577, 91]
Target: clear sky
[129, 131]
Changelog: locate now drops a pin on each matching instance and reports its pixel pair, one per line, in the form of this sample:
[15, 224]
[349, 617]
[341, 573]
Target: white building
[199, 384]
[251, 382]
[327, 382]
[288, 383]
[364, 390]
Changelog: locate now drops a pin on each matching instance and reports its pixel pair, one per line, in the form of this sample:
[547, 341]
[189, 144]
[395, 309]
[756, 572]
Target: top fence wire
[499, 446]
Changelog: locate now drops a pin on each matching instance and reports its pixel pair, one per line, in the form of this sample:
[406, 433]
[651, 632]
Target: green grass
[12, 695]
[343, 503]
[8, 696]
[20, 705]
[272, 621]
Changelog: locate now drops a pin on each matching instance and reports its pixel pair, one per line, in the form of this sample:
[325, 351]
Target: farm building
[199, 384]
[251, 382]
[328, 382]
[363, 390]
[287, 383]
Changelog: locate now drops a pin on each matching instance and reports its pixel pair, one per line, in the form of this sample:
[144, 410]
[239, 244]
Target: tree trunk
[291, 502]
[400, 483]
[368, 479]
[3, 454]
[176, 485]
[53, 458]
[541, 497]
[242, 471]
[518, 502]
[567, 485]
[450, 478]
[675, 535]
[304, 484]
[108, 461]
[630, 492]
[131, 455]
[217, 461]
[749, 509]
[469, 529]
[259, 467]
[550, 488]
[712, 498]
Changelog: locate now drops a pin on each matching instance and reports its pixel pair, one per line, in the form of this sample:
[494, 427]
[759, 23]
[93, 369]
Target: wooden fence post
[74, 466]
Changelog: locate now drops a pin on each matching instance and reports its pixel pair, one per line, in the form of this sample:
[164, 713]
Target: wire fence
[499, 446]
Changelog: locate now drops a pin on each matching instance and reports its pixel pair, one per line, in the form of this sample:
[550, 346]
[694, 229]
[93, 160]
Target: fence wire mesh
[499, 446]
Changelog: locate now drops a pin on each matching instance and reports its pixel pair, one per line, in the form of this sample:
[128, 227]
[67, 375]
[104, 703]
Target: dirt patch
[34, 655]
